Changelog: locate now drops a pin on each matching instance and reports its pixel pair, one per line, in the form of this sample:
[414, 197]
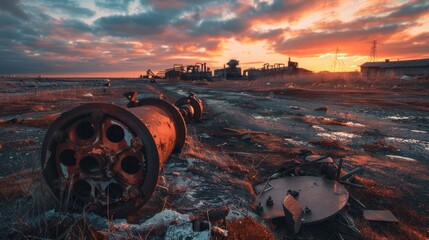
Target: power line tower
[373, 51]
[338, 64]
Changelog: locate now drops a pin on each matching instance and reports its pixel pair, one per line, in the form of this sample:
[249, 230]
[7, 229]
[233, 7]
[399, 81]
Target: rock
[88, 95]
[246, 136]
[204, 135]
[321, 109]
[305, 152]
[185, 231]
[13, 120]
[164, 218]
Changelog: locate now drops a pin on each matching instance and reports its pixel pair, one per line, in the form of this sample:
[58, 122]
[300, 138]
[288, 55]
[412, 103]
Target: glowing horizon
[108, 38]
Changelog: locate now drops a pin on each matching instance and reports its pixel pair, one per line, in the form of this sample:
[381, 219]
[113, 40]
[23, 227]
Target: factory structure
[233, 72]
[230, 71]
[416, 68]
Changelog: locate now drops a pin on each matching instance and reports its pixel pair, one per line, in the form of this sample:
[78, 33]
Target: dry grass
[18, 184]
[336, 81]
[322, 120]
[329, 144]
[248, 229]
[379, 146]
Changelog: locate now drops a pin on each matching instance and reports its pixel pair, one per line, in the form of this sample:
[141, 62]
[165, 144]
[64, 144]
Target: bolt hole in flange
[131, 164]
[82, 188]
[85, 130]
[67, 157]
[90, 165]
[115, 133]
[114, 191]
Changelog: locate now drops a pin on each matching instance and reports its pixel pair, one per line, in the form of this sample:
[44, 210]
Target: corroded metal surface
[106, 159]
[191, 108]
[323, 197]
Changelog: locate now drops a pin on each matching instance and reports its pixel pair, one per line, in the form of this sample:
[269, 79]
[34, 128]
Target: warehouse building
[416, 68]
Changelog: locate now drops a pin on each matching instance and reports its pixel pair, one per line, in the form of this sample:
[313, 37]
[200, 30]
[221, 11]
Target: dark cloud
[270, 35]
[148, 23]
[213, 28]
[55, 38]
[69, 7]
[13, 7]
[287, 10]
[414, 47]
[121, 5]
[173, 4]
[413, 9]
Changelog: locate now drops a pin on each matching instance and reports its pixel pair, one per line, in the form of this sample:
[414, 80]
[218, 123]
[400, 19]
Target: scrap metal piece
[350, 174]
[325, 197]
[319, 159]
[379, 215]
[191, 108]
[293, 213]
[108, 158]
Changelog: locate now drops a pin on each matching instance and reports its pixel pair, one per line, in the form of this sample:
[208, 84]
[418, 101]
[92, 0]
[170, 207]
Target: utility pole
[373, 51]
[338, 62]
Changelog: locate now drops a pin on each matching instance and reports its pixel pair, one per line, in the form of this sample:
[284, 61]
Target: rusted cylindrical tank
[104, 158]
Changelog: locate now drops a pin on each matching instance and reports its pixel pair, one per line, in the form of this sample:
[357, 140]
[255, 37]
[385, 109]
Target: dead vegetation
[330, 144]
[379, 146]
[247, 228]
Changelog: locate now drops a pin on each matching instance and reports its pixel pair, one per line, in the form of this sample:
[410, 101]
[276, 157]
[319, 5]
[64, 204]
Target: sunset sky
[123, 38]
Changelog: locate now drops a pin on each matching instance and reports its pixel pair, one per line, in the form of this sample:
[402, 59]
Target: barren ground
[379, 126]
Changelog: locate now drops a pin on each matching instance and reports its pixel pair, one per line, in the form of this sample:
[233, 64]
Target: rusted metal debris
[198, 71]
[325, 197]
[379, 216]
[305, 193]
[104, 158]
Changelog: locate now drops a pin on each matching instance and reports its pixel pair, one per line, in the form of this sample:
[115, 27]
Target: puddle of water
[340, 136]
[418, 131]
[401, 158]
[353, 124]
[271, 118]
[397, 117]
[295, 142]
[403, 140]
[318, 128]
[419, 143]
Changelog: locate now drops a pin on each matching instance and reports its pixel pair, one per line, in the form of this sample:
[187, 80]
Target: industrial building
[415, 68]
[278, 69]
[233, 71]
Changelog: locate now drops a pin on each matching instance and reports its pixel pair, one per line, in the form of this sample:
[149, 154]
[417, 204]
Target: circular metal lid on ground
[324, 197]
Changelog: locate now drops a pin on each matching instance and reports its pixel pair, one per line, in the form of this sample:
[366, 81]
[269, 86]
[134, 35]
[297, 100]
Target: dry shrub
[391, 231]
[379, 146]
[195, 149]
[329, 144]
[375, 190]
[17, 184]
[248, 229]
[321, 120]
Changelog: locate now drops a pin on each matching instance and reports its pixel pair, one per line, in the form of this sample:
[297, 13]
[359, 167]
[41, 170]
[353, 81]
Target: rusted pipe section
[107, 159]
[191, 108]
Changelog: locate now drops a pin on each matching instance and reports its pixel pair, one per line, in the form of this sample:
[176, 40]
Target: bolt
[269, 202]
[259, 209]
[133, 192]
[136, 143]
[58, 135]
